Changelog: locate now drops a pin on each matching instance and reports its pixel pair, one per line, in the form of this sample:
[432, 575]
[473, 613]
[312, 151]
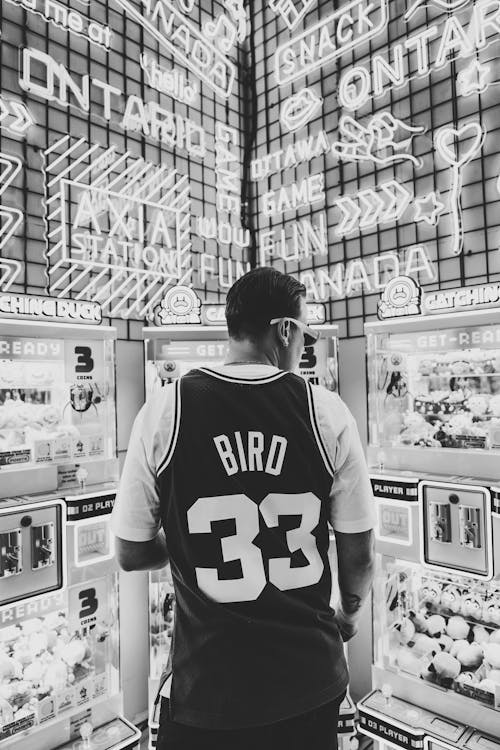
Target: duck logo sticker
[401, 296]
[180, 305]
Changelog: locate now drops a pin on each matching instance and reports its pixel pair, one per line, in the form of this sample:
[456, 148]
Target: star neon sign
[473, 79]
[428, 208]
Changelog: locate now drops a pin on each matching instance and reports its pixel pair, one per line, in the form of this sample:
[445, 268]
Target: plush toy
[431, 591]
[470, 656]
[457, 628]
[446, 667]
[494, 405]
[457, 645]
[477, 405]
[495, 636]
[73, 653]
[445, 642]
[451, 598]
[481, 635]
[491, 609]
[468, 678]
[494, 675]
[406, 630]
[436, 625]
[419, 619]
[423, 644]
[408, 661]
[472, 605]
[491, 653]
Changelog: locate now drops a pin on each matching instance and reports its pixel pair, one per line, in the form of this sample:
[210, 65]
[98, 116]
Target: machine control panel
[32, 559]
[457, 533]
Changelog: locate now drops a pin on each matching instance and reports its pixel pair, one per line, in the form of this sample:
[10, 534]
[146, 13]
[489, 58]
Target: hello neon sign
[184, 41]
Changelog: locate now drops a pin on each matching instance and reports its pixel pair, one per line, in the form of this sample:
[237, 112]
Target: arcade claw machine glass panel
[434, 453]
[434, 394]
[57, 406]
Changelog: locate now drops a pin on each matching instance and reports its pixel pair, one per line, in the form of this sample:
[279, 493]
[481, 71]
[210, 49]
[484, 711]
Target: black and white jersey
[242, 482]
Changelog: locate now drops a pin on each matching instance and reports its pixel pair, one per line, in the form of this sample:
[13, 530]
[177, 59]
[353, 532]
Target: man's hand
[355, 557]
[347, 625]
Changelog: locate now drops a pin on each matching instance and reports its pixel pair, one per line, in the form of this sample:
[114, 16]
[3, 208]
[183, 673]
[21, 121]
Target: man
[243, 467]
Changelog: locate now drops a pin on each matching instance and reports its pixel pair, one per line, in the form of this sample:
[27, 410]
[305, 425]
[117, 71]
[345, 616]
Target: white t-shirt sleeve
[136, 513]
[352, 507]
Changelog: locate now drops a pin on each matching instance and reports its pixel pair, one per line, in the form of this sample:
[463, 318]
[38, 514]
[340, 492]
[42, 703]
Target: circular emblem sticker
[179, 305]
[401, 296]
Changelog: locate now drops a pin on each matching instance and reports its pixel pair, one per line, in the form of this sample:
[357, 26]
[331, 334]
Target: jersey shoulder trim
[317, 434]
[169, 450]
[233, 379]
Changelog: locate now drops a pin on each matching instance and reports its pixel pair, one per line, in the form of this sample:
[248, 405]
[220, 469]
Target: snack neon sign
[348, 27]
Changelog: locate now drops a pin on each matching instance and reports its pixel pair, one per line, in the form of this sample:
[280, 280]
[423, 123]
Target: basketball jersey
[244, 496]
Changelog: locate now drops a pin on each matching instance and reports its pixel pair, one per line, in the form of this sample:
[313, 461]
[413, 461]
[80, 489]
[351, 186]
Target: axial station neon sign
[431, 48]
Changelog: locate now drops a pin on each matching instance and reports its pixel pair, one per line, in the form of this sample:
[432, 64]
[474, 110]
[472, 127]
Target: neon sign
[117, 227]
[297, 240]
[473, 79]
[299, 109]
[291, 197]
[49, 308]
[180, 38]
[428, 208]
[224, 270]
[69, 20]
[366, 275]
[210, 229]
[443, 4]
[372, 206]
[384, 140]
[291, 11]
[295, 153]
[15, 117]
[48, 79]
[227, 179]
[9, 271]
[348, 27]
[359, 84]
[11, 218]
[458, 148]
[170, 82]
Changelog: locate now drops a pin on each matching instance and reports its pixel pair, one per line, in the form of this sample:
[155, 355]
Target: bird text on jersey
[252, 451]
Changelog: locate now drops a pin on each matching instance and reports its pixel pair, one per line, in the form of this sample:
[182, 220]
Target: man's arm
[150, 555]
[355, 556]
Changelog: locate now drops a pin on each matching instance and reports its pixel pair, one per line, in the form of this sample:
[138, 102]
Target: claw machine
[189, 334]
[59, 636]
[434, 455]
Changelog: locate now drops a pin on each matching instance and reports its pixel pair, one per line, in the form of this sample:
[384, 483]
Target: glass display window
[437, 628]
[434, 389]
[57, 405]
[58, 655]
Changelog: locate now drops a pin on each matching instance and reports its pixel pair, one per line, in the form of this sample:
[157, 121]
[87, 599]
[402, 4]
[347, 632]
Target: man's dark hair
[258, 297]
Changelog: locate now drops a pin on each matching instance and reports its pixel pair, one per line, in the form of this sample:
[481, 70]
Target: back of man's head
[258, 297]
